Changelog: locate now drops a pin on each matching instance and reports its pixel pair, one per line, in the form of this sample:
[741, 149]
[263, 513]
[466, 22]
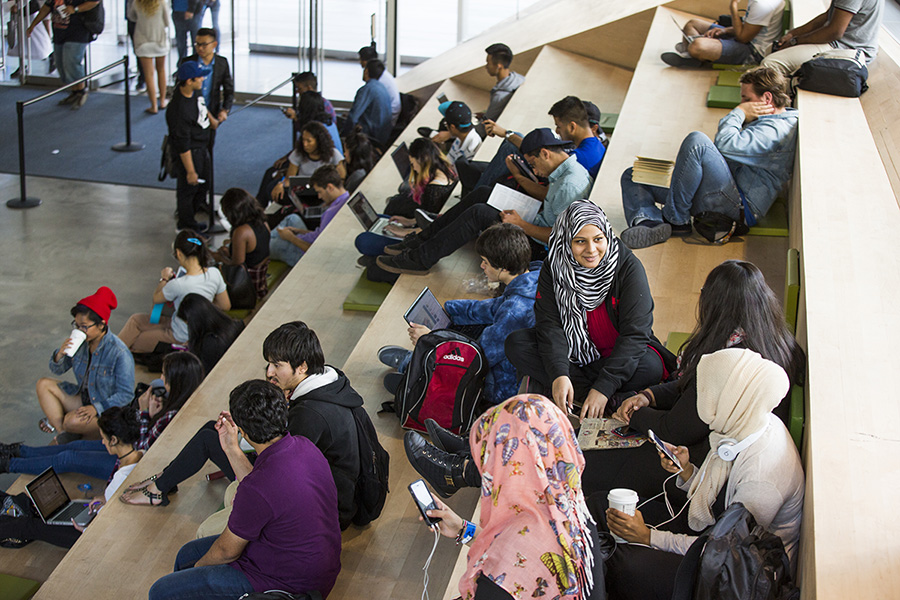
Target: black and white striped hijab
[578, 289]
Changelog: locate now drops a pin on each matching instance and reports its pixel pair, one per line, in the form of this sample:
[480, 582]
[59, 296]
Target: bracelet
[466, 533]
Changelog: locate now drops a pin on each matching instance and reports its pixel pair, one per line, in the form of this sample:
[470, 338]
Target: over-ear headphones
[729, 448]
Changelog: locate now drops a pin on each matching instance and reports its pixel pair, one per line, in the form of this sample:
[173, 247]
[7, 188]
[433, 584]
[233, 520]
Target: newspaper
[596, 434]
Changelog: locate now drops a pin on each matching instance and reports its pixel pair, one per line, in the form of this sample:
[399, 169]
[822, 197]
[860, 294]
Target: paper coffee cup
[78, 337]
[624, 500]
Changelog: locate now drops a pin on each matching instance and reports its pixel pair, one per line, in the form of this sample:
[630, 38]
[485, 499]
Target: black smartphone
[626, 432]
[424, 500]
[442, 97]
[662, 448]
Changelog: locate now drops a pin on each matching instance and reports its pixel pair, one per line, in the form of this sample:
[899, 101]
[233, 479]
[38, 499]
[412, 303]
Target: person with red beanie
[103, 368]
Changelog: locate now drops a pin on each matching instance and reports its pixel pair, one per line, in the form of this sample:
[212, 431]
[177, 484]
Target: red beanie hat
[102, 302]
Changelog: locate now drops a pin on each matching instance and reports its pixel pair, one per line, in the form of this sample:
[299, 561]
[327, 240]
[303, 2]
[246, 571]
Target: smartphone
[442, 97]
[284, 110]
[424, 500]
[626, 432]
[662, 448]
[524, 167]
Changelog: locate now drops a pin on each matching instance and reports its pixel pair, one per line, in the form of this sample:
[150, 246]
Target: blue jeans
[497, 167]
[372, 244]
[82, 456]
[184, 27]
[701, 182]
[70, 60]
[209, 583]
[214, 9]
[283, 250]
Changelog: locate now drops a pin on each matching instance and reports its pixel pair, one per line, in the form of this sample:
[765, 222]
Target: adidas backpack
[374, 462]
[444, 381]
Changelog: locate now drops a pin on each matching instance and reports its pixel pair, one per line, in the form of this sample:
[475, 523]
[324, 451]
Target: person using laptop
[431, 181]
[119, 431]
[291, 239]
[505, 258]
[314, 149]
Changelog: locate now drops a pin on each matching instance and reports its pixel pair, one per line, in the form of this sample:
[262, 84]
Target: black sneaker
[80, 99]
[442, 470]
[425, 218]
[646, 233]
[401, 264]
[681, 230]
[410, 242]
[445, 439]
[425, 132]
[10, 450]
[673, 59]
[68, 99]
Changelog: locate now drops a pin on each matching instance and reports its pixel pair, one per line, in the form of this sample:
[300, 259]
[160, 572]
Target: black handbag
[834, 73]
[94, 20]
[241, 289]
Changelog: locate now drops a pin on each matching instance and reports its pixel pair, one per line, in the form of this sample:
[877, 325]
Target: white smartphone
[662, 448]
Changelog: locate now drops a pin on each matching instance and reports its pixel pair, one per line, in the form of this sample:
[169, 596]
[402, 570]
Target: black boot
[442, 470]
[446, 440]
[10, 450]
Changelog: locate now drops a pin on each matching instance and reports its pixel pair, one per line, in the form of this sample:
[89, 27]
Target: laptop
[427, 311]
[367, 216]
[401, 160]
[298, 187]
[53, 503]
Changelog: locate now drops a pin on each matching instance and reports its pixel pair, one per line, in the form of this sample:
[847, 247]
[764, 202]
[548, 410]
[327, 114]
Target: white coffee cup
[624, 500]
[78, 337]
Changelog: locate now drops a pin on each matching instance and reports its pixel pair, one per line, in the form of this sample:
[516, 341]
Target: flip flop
[45, 426]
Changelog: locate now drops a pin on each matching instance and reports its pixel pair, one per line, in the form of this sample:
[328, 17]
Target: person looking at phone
[119, 432]
[521, 546]
[103, 368]
[283, 529]
[736, 392]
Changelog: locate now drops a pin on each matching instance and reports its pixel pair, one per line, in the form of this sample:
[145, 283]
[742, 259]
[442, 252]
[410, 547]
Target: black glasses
[83, 328]
[202, 44]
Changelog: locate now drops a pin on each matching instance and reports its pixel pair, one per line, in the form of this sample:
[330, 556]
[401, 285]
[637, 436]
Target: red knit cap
[102, 302]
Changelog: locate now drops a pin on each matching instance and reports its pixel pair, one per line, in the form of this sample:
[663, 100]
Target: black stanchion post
[23, 201]
[128, 146]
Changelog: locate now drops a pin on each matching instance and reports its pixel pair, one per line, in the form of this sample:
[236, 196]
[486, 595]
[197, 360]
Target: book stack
[652, 171]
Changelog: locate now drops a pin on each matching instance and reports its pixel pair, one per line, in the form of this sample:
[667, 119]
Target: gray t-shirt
[862, 31]
[306, 167]
[208, 284]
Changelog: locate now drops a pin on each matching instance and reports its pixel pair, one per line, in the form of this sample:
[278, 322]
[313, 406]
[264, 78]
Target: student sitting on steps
[739, 175]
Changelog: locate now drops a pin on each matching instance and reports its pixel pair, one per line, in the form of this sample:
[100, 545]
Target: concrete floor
[83, 236]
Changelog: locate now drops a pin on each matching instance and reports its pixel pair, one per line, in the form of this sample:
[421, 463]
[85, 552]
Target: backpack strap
[686, 576]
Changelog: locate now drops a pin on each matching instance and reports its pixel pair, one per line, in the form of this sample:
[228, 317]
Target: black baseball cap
[457, 113]
[592, 111]
[540, 138]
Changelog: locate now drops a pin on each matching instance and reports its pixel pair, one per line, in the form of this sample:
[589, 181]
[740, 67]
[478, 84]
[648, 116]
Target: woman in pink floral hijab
[532, 539]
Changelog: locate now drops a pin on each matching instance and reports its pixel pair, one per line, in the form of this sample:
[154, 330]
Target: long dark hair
[202, 318]
[311, 107]
[183, 373]
[324, 143]
[240, 208]
[192, 244]
[359, 151]
[736, 295]
[121, 422]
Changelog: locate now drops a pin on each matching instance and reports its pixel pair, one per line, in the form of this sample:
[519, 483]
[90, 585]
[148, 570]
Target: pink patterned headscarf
[534, 540]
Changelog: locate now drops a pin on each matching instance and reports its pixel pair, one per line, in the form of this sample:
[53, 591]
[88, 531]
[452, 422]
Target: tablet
[427, 311]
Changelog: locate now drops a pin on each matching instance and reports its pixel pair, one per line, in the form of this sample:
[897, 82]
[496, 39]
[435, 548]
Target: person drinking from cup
[103, 368]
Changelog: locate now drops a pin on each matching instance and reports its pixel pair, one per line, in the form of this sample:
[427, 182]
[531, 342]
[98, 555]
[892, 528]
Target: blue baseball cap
[540, 138]
[190, 69]
[457, 113]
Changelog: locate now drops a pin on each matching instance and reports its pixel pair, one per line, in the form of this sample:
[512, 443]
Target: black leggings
[200, 448]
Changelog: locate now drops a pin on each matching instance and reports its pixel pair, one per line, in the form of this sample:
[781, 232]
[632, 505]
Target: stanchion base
[126, 147]
[27, 203]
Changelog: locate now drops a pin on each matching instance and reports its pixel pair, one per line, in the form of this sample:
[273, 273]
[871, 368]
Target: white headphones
[729, 448]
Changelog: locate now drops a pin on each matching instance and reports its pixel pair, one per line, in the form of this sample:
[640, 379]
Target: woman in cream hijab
[736, 392]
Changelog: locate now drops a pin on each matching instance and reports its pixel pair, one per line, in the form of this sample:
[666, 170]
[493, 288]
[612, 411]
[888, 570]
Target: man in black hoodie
[320, 402]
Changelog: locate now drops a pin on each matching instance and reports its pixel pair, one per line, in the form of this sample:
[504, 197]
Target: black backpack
[443, 381]
[94, 20]
[735, 559]
[718, 228]
[834, 74]
[374, 462]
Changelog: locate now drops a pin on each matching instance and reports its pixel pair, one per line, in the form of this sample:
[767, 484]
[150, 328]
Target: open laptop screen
[363, 211]
[47, 493]
[401, 160]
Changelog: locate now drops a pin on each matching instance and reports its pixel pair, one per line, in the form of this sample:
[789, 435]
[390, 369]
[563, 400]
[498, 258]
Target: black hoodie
[324, 417]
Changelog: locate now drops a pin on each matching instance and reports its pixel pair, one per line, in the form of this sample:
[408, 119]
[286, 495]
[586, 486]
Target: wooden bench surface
[663, 105]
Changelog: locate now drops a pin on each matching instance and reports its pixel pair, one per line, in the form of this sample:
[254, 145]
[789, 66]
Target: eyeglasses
[83, 328]
[202, 44]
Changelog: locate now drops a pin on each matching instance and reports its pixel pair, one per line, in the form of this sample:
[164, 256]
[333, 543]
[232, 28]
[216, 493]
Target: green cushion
[366, 296]
[676, 340]
[16, 588]
[608, 122]
[729, 78]
[786, 17]
[724, 67]
[797, 416]
[275, 272]
[792, 289]
[238, 313]
[774, 223]
[723, 96]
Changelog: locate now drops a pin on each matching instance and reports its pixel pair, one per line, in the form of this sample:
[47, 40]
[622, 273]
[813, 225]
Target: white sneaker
[681, 50]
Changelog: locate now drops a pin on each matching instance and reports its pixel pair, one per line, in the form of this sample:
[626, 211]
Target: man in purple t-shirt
[283, 532]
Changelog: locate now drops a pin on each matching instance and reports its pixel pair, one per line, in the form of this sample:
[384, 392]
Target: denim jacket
[111, 382]
[760, 155]
[513, 310]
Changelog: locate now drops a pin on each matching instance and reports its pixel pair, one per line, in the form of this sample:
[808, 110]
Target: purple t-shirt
[286, 508]
[327, 216]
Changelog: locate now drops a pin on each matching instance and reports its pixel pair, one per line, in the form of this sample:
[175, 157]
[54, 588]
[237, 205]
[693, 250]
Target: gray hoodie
[501, 93]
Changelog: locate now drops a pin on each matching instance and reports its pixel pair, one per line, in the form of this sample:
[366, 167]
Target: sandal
[142, 484]
[45, 426]
[159, 498]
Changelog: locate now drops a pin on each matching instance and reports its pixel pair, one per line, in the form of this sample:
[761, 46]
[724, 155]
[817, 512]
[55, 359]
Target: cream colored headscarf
[736, 391]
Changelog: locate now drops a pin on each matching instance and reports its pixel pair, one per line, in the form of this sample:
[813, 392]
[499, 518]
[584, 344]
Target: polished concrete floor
[83, 236]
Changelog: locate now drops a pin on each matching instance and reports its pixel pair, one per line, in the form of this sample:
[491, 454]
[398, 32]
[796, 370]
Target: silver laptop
[367, 216]
[53, 503]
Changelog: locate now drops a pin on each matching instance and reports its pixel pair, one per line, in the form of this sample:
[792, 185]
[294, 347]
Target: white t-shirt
[307, 167]
[766, 13]
[117, 480]
[208, 284]
[467, 147]
[390, 84]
